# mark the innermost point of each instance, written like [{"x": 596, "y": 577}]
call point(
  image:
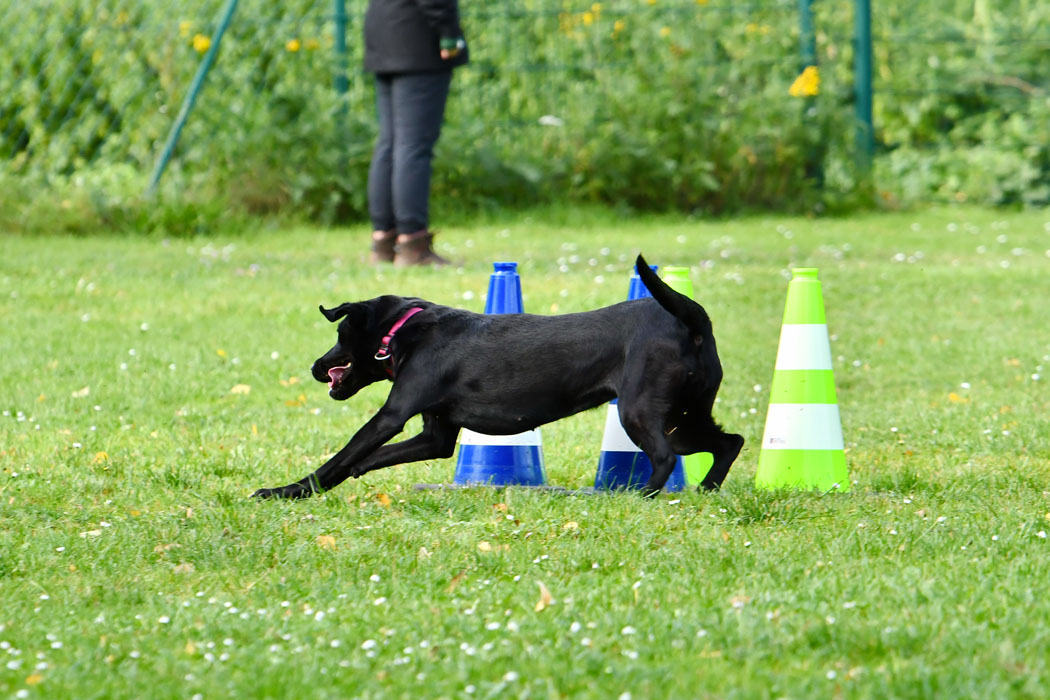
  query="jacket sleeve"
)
[{"x": 443, "y": 16}]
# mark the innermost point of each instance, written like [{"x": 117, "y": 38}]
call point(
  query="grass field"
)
[{"x": 148, "y": 386}]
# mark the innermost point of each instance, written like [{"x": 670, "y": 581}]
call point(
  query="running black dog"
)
[{"x": 508, "y": 373}]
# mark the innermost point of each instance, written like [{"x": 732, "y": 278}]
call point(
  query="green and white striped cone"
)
[
  {"x": 697, "y": 465},
  {"x": 802, "y": 444}
]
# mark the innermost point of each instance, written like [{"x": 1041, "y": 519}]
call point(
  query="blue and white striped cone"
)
[
  {"x": 501, "y": 460},
  {"x": 622, "y": 464}
]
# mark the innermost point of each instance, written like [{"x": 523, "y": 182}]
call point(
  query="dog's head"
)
[{"x": 351, "y": 365}]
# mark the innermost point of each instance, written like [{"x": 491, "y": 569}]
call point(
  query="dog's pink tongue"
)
[{"x": 335, "y": 375}]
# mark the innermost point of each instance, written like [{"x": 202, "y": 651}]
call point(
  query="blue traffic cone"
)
[
  {"x": 622, "y": 464},
  {"x": 501, "y": 460}
]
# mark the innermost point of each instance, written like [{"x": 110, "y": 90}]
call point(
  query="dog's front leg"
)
[
  {"x": 436, "y": 441},
  {"x": 383, "y": 425}
]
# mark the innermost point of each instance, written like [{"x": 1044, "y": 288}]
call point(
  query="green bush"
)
[
  {"x": 962, "y": 107},
  {"x": 641, "y": 104}
]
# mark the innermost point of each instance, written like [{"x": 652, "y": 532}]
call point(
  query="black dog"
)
[{"x": 507, "y": 373}]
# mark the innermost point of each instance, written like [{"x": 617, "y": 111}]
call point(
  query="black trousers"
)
[{"x": 411, "y": 108}]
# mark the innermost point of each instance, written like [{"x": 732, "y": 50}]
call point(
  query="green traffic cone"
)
[
  {"x": 802, "y": 444},
  {"x": 696, "y": 465}
]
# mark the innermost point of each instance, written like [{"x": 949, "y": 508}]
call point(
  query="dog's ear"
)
[
  {"x": 358, "y": 314},
  {"x": 337, "y": 313}
]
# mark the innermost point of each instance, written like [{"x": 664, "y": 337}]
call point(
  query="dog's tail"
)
[{"x": 678, "y": 305}]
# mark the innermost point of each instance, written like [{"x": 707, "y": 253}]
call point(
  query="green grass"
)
[{"x": 132, "y": 563}]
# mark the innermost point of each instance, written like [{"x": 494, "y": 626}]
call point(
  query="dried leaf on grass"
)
[{"x": 545, "y": 597}]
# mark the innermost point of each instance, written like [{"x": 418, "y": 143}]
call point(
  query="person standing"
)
[{"x": 412, "y": 47}]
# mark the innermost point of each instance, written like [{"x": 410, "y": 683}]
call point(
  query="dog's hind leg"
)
[
  {"x": 637, "y": 424},
  {"x": 724, "y": 447},
  {"x": 696, "y": 431}
]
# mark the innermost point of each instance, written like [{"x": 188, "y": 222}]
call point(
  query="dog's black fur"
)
[{"x": 507, "y": 373}]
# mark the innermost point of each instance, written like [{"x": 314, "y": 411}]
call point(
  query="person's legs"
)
[
  {"x": 419, "y": 109},
  {"x": 380, "y": 171}
]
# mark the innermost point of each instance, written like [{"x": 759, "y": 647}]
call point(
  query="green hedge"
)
[{"x": 641, "y": 104}]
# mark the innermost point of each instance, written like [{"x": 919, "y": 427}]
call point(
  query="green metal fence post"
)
[
  {"x": 862, "y": 84},
  {"x": 341, "y": 82},
  {"x": 807, "y": 38},
  {"x": 191, "y": 98},
  {"x": 807, "y": 46}
]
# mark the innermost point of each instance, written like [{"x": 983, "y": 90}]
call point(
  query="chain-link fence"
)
[
  {"x": 652, "y": 103},
  {"x": 89, "y": 80}
]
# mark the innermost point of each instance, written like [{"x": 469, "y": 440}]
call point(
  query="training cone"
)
[
  {"x": 697, "y": 465},
  {"x": 802, "y": 443},
  {"x": 622, "y": 464},
  {"x": 501, "y": 460}
]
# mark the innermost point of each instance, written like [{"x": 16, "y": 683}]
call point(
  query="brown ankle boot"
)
[
  {"x": 416, "y": 249},
  {"x": 383, "y": 247}
]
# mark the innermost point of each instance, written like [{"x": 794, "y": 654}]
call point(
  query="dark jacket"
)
[{"x": 404, "y": 36}]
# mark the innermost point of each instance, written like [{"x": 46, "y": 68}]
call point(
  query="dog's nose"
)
[{"x": 319, "y": 372}]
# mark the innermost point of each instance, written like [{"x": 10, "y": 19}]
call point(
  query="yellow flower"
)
[
  {"x": 665, "y": 32},
  {"x": 184, "y": 28},
  {"x": 618, "y": 26},
  {"x": 651, "y": 2},
  {"x": 807, "y": 84},
  {"x": 596, "y": 8},
  {"x": 292, "y": 45},
  {"x": 201, "y": 43},
  {"x": 588, "y": 19},
  {"x": 701, "y": 2}
]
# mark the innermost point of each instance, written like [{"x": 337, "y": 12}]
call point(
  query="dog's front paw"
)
[{"x": 290, "y": 491}]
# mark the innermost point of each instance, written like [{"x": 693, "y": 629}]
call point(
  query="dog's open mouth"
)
[{"x": 335, "y": 375}]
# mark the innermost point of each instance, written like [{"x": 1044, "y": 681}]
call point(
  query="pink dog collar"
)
[{"x": 384, "y": 347}]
